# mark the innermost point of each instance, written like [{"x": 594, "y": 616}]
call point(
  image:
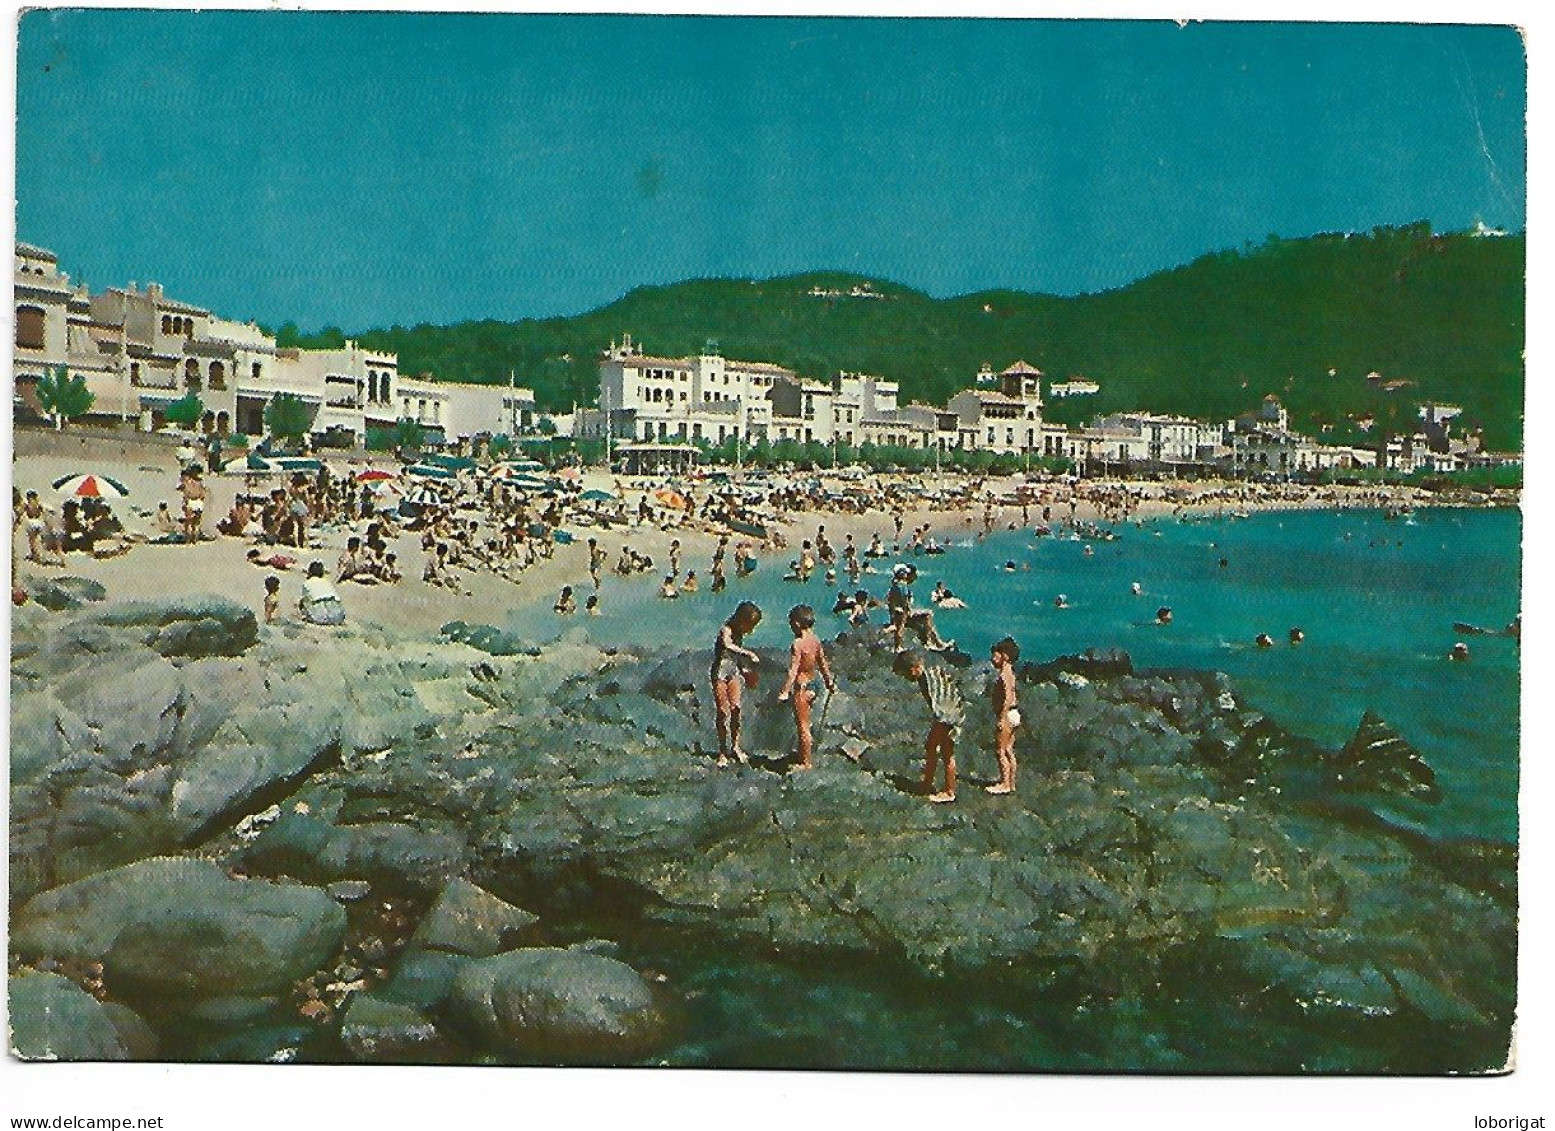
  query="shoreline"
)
[{"x": 217, "y": 566}]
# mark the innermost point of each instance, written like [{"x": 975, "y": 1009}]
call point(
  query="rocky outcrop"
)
[
  {"x": 1378, "y": 758},
  {"x": 375, "y": 1030},
  {"x": 187, "y": 626},
  {"x": 395, "y": 855},
  {"x": 120, "y": 752},
  {"x": 552, "y": 1005},
  {"x": 471, "y": 921},
  {"x": 181, "y": 936},
  {"x": 58, "y": 594},
  {"x": 54, "y": 1019},
  {"x": 1165, "y": 837}
]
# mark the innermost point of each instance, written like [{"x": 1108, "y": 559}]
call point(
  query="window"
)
[
  {"x": 29, "y": 328},
  {"x": 134, "y": 373},
  {"x": 192, "y": 375},
  {"x": 218, "y": 375},
  {"x": 167, "y": 324},
  {"x": 255, "y": 371}
]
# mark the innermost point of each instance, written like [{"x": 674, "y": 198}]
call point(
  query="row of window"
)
[
  {"x": 177, "y": 324},
  {"x": 421, "y": 410},
  {"x": 756, "y": 379}
]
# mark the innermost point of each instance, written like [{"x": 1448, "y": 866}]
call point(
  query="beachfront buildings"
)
[
  {"x": 1006, "y": 418},
  {"x": 140, "y": 350},
  {"x": 55, "y": 330},
  {"x": 706, "y": 398}
]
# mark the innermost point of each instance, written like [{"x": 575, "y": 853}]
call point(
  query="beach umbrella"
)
[
  {"x": 384, "y": 487},
  {"x": 670, "y": 498},
  {"x": 597, "y": 496},
  {"x": 451, "y": 463},
  {"x": 374, "y": 476},
  {"x": 430, "y": 471},
  {"x": 91, "y": 486}
]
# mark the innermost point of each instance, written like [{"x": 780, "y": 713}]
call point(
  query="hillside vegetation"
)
[{"x": 1305, "y": 319}]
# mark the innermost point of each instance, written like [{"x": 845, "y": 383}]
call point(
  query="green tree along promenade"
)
[
  {"x": 63, "y": 396},
  {"x": 1304, "y": 319},
  {"x": 287, "y": 417},
  {"x": 186, "y": 411}
]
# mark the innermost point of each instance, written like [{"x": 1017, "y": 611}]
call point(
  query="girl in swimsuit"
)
[{"x": 728, "y": 677}]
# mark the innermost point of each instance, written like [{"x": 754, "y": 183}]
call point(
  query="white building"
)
[
  {"x": 458, "y": 410},
  {"x": 1007, "y": 419},
  {"x": 1168, "y": 439},
  {"x": 54, "y": 330},
  {"x": 1075, "y": 387},
  {"x": 707, "y": 397},
  {"x": 802, "y": 411}
]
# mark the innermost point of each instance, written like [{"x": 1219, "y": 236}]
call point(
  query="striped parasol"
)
[{"x": 89, "y": 485}]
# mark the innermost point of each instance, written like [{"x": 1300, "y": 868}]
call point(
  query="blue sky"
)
[{"x": 364, "y": 169}]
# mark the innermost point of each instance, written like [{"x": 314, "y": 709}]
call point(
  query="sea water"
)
[{"x": 1377, "y": 599}]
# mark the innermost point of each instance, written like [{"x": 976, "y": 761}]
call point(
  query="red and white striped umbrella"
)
[
  {"x": 374, "y": 476},
  {"x": 89, "y": 485}
]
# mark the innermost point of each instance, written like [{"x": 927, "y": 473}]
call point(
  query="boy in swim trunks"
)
[{"x": 808, "y": 658}]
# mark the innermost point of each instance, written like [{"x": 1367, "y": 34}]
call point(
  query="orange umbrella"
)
[{"x": 670, "y": 498}]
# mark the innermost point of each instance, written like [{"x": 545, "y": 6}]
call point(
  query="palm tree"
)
[{"x": 64, "y": 397}]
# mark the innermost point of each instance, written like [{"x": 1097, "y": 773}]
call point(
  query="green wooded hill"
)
[{"x": 1304, "y": 319}]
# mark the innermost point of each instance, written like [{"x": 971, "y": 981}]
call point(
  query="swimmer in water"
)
[
  {"x": 1009, "y": 566},
  {"x": 1163, "y": 615},
  {"x": 1061, "y": 601},
  {"x": 1135, "y": 588},
  {"x": 1264, "y": 640},
  {"x": 1297, "y": 636},
  {"x": 1460, "y": 651}
]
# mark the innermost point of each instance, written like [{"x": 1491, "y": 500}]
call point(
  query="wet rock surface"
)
[{"x": 475, "y": 811}]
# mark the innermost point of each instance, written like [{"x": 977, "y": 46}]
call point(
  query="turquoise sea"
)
[{"x": 1377, "y": 599}]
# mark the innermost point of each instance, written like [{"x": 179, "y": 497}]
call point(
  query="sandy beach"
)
[{"x": 218, "y": 566}]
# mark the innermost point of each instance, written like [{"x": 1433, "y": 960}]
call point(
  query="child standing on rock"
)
[
  {"x": 948, "y": 708},
  {"x": 728, "y": 677},
  {"x": 809, "y": 658},
  {"x": 1006, "y": 717}
]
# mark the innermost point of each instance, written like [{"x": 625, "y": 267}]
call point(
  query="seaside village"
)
[
  {"x": 139, "y": 351},
  {"x": 326, "y": 748},
  {"x": 144, "y": 420}
]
